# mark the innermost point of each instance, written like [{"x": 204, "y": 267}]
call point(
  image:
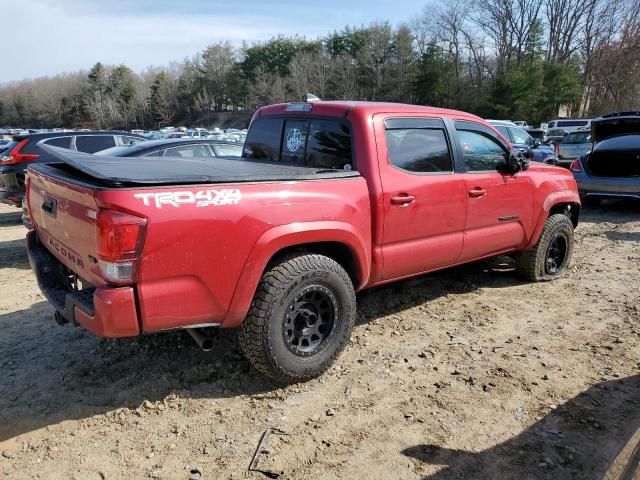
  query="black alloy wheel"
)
[
  {"x": 309, "y": 320},
  {"x": 556, "y": 254}
]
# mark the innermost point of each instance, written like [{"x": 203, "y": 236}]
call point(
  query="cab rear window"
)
[{"x": 318, "y": 143}]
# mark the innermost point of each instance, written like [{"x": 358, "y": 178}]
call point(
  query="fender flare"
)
[
  {"x": 552, "y": 199},
  {"x": 278, "y": 238}
]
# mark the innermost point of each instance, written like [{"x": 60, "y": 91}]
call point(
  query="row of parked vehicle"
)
[
  {"x": 603, "y": 153},
  {"x": 232, "y": 135},
  {"x": 25, "y": 150}
]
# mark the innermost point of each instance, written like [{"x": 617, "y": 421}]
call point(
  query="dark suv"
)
[{"x": 25, "y": 150}]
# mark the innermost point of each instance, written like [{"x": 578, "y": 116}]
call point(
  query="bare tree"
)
[{"x": 310, "y": 72}]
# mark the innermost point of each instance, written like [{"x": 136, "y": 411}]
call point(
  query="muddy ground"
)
[{"x": 468, "y": 373}]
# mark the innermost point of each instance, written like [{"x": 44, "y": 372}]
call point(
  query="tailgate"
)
[{"x": 65, "y": 220}]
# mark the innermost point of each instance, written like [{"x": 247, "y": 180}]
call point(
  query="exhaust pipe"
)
[
  {"x": 59, "y": 319},
  {"x": 204, "y": 342}
]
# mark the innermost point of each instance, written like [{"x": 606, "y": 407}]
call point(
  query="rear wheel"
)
[
  {"x": 300, "y": 319},
  {"x": 550, "y": 257}
]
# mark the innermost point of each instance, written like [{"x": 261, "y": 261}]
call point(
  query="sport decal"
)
[
  {"x": 294, "y": 140},
  {"x": 202, "y": 198}
]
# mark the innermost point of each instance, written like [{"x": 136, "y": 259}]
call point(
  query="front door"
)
[
  {"x": 425, "y": 201},
  {"x": 500, "y": 204}
]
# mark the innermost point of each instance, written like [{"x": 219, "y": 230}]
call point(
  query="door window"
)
[
  {"x": 423, "y": 150},
  {"x": 63, "y": 142},
  {"x": 188, "y": 151},
  {"x": 94, "y": 143},
  {"x": 126, "y": 140},
  {"x": 481, "y": 152},
  {"x": 521, "y": 137},
  {"x": 504, "y": 131},
  {"x": 223, "y": 150}
]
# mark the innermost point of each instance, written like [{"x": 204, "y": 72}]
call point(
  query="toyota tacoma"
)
[{"x": 328, "y": 198}]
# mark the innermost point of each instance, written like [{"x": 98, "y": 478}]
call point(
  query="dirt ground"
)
[{"x": 468, "y": 373}]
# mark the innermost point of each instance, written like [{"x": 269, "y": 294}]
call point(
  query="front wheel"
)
[
  {"x": 550, "y": 257},
  {"x": 300, "y": 319}
]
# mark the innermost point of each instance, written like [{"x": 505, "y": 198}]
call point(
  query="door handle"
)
[
  {"x": 477, "y": 192},
  {"x": 402, "y": 199}
]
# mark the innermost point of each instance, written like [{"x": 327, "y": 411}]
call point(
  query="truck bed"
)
[{"x": 131, "y": 171}]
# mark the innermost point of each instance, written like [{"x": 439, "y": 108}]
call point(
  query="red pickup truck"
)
[{"x": 329, "y": 198}]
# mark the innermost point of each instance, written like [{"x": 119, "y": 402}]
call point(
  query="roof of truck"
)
[{"x": 342, "y": 108}]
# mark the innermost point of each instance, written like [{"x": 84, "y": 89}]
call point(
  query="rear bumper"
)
[
  {"x": 566, "y": 161},
  {"x": 11, "y": 192},
  {"x": 106, "y": 312},
  {"x": 26, "y": 218},
  {"x": 608, "y": 187}
]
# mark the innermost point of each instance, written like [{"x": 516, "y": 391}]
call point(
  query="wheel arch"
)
[
  {"x": 336, "y": 240},
  {"x": 565, "y": 202}
]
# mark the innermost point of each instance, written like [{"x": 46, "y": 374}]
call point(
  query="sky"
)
[{"x": 46, "y": 37}]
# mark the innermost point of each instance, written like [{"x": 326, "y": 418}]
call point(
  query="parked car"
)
[
  {"x": 175, "y": 147},
  {"x": 537, "y": 134},
  {"x": 569, "y": 124},
  {"x": 521, "y": 140},
  {"x": 27, "y": 149},
  {"x": 522, "y": 124},
  {"x": 554, "y": 136},
  {"x": 612, "y": 168},
  {"x": 574, "y": 145},
  {"x": 4, "y": 145},
  {"x": 328, "y": 199},
  {"x": 197, "y": 133}
]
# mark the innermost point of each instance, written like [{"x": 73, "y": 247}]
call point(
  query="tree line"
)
[{"x": 518, "y": 59}]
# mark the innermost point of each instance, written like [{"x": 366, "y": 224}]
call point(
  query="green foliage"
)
[
  {"x": 275, "y": 55},
  {"x": 159, "y": 100},
  {"x": 534, "y": 92},
  {"x": 433, "y": 80}
]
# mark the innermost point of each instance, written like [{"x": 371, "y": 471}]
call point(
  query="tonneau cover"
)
[{"x": 121, "y": 171}]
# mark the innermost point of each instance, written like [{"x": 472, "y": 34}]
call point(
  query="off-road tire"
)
[
  {"x": 532, "y": 264},
  {"x": 262, "y": 334}
]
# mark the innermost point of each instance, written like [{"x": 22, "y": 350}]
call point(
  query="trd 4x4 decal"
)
[{"x": 202, "y": 198}]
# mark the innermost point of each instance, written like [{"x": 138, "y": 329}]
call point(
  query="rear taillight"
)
[
  {"x": 557, "y": 149},
  {"x": 575, "y": 166},
  {"x": 16, "y": 157},
  {"x": 120, "y": 241},
  {"x": 28, "y": 199}
]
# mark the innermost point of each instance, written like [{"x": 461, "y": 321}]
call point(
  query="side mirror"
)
[
  {"x": 536, "y": 143},
  {"x": 517, "y": 161}
]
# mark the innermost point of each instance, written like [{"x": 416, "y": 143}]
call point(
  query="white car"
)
[{"x": 569, "y": 124}]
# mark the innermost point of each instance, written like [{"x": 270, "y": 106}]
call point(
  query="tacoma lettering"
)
[{"x": 66, "y": 253}]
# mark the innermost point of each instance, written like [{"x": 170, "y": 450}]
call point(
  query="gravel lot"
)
[{"x": 468, "y": 373}]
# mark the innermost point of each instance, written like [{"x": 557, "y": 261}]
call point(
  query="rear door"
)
[
  {"x": 424, "y": 199},
  {"x": 500, "y": 205}
]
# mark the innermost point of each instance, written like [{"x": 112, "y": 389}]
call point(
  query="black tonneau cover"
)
[{"x": 124, "y": 171}]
